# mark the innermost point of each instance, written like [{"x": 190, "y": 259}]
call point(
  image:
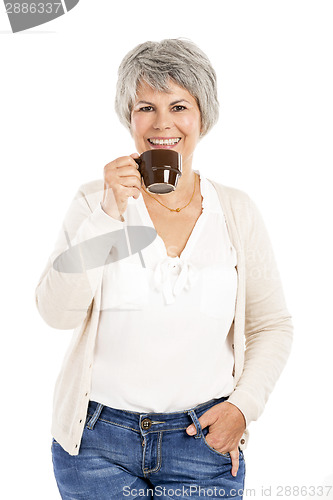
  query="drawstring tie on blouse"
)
[{"x": 187, "y": 275}]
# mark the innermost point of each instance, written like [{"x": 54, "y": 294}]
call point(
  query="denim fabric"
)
[{"x": 125, "y": 454}]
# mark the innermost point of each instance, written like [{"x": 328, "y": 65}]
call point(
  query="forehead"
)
[{"x": 172, "y": 93}]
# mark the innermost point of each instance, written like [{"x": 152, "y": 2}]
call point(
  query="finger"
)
[
  {"x": 135, "y": 155},
  {"x": 121, "y": 162},
  {"x": 128, "y": 191},
  {"x": 125, "y": 175},
  {"x": 129, "y": 180},
  {"x": 206, "y": 419},
  {"x": 135, "y": 192},
  {"x": 128, "y": 171},
  {"x": 234, "y": 455},
  {"x": 191, "y": 430}
]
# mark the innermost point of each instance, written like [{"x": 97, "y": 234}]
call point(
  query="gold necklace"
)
[{"x": 174, "y": 209}]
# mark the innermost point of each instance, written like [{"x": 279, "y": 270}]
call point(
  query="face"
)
[{"x": 169, "y": 120}]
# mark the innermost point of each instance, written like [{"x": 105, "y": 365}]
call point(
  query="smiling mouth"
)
[{"x": 164, "y": 142}]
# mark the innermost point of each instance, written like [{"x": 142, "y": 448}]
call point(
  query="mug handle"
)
[{"x": 138, "y": 161}]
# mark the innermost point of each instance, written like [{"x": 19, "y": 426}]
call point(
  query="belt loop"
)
[
  {"x": 95, "y": 417},
  {"x": 196, "y": 423}
]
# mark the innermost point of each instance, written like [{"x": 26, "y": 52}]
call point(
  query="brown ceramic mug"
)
[{"x": 160, "y": 170}]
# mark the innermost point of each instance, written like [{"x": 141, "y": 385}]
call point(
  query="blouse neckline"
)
[{"x": 160, "y": 245}]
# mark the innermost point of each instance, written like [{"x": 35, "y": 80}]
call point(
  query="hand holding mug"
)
[
  {"x": 121, "y": 180},
  {"x": 159, "y": 169}
]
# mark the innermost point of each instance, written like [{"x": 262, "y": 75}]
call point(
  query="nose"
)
[{"x": 163, "y": 120}]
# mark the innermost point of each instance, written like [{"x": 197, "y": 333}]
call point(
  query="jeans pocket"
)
[
  {"x": 204, "y": 433},
  {"x": 225, "y": 455}
]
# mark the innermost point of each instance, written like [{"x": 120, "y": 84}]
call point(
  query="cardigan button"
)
[{"x": 242, "y": 441}]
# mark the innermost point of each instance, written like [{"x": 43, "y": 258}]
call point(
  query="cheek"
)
[
  {"x": 137, "y": 131},
  {"x": 135, "y": 125},
  {"x": 140, "y": 123},
  {"x": 191, "y": 126}
]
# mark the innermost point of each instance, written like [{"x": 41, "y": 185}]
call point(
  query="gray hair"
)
[{"x": 156, "y": 63}]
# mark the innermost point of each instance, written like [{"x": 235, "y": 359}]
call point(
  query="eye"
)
[
  {"x": 179, "y": 108},
  {"x": 146, "y": 108}
]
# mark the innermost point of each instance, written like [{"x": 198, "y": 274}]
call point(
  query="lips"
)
[{"x": 164, "y": 142}]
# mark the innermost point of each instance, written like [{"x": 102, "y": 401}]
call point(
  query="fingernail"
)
[{"x": 191, "y": 430}]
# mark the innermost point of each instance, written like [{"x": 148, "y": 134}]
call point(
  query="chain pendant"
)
[{"x": 174, "y": 209}]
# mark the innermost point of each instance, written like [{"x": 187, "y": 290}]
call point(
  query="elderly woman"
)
[{"x": 176, "y": 346}]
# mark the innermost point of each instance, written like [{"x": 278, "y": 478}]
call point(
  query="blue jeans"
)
[{"x": 126, "y": 454}]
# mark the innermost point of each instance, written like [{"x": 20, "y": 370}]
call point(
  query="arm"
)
[
  {"x": 268, "y": 326},
  {"x": 63, "y": 298},
  {"x": 268, "y": 337},
  {"x": 69, "y": 282}
]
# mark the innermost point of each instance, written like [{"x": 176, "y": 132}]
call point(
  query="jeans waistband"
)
[{"x": 159, "y": 421}]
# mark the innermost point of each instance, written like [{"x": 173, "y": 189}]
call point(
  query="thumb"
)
[
  {"x": 204, "y": 420},
  {"x": 135, "y": 155}
]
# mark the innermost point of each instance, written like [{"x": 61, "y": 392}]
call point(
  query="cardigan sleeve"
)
[
  {"x": 268, "y": 325},
  {"x": 68, "y": 283}
]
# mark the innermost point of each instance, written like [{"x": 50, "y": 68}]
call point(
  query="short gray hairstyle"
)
[{"x": 156, "y": 63}]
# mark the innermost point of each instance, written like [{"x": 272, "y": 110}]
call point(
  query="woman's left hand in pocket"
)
[{"x": 226, "y": 426}]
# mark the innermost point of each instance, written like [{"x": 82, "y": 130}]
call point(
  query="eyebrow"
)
[{"x": 171, "y": 103}]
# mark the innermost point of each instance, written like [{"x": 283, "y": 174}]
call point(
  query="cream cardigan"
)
[{"x": 262, "y": 328}]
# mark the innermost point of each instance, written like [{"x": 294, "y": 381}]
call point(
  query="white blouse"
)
[{"x": 162, "y": 342}]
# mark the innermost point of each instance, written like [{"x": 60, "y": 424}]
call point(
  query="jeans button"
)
[{"x": 146, "y": 424}]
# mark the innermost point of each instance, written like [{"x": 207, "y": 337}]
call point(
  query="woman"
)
[{"x": 156, "y": 392}]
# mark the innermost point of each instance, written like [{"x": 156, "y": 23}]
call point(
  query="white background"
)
[{"x": 273, "y": 140}]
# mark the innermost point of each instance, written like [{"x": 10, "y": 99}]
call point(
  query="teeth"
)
[{"x": 164, "y": 142}]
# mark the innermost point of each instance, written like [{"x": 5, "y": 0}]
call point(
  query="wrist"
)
[
  {"x": 237, "y": 411},
  {"x": 116, "y": 216}
]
